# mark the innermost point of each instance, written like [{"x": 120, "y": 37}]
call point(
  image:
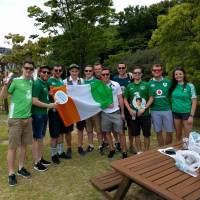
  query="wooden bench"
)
[{"x": 107, "y": 182}]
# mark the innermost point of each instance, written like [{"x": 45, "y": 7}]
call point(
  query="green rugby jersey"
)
[
  {"x": 137, "y": 95},
  {"x": 182, "y": 98},
  {"x": 160, "y": 91}
]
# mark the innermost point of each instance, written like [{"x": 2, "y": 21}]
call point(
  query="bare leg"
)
[
  {"x": 22, "y": 154},
  {"x": 160, "y": 139},
  {"x": 68, "y": 139},
  {"x": 100, "y": 138},
  {"x": 11, "y": 160},
  {"x": 35, "y": 150},
  {"x": 80, "y": 138},
  {"x": 90, "y": 137},
  {"x": 138, "y": 143},
  {"x": 130, "y": 136},
  {"x": 169, "y": 138},
  {"x": 146, "y": 143},
  {"x": 122, "y": 139},
  {"x": 187, "y": 126},
  {"x": 110, "y": 141},
  {"x": 178, "y": 129}
]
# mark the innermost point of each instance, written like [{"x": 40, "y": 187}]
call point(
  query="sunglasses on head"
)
[
  {"x": 29, "y": 68},
  {"x": 88, "y": 70},
  {"x": 121, "y": 68},
  {"x": 105, "y": 74},
  {"x": 57, "y": 70}
]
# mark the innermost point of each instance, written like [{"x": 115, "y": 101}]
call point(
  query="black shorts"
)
[
  {"x": 79, "y": 125},
  {"x": 56, "y": 125},
  {"x": 144, "y": 123},
  {"x": 181, "y": 116},
  {"x": 127, "y": 117}
]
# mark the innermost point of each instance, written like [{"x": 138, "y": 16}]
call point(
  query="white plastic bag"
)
[
  {"x": 194, "y": 142},
  {"x": 188, "y": 161}
]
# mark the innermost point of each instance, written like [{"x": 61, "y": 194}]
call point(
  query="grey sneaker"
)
[{"x": 12, "y": 181}]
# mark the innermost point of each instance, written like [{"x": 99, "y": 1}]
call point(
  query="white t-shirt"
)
[{"x": 116, "y": 90}]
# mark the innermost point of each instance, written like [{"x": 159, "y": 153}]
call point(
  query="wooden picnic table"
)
[{"x": 157, "y": 173}]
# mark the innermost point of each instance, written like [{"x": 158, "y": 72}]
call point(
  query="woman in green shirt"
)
[{"x": 184, "y": 101}]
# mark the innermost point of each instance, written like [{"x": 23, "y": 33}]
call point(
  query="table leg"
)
[{"x": 123, "y": 188}]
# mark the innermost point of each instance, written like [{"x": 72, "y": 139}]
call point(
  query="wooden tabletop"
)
[{"x": 158, "y": 173}]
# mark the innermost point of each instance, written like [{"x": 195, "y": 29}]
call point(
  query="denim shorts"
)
[
  {"x": 162, "y": 121},
  {"x": 39, "y": 124},
  {"x": 181, "y": 116}
]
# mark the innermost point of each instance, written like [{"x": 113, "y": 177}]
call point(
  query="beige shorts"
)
[
  {"x": 93, "y": 123},
  {"x": 19, "y": 132}
]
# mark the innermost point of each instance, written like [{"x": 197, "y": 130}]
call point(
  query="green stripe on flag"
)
[{"x": 101, "y": 93}]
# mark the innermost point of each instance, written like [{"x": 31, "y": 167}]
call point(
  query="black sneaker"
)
[
  {"x": 12, "y": 181},
  {"x": 62, "y": 155},
  {"x": 117, "y": 146},
  {"x": 23, "y": 172},
  {"x": 89, "y": 149},
  {"x": 69, "y": 153},
  {"x": 45, "y": 162},
  {"x": 81, "y": 151},
  {"x": 40, "y": 167},
  {"x": 111, "y": 154},
  {"x": 101, "y": 150},
  {"x": 105, "y": 145},
  {"x": 124, "y": 155},
  {"x": 55, "y": 159}
]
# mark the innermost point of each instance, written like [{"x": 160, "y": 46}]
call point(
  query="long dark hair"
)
[{"x": 175, "y": 82}]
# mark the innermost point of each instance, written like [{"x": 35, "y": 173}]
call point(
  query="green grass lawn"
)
[{"x": 67, "y": 181}]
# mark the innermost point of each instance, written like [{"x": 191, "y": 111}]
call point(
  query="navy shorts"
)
[
  {"x": 181, "y": 116},
  {"x": 142, "y": 122},
  {"x": 56, "y": 125},
  {"x": 39, "y": 125}
]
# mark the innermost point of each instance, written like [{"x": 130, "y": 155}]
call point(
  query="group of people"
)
[{"x": 167, "y": 104}]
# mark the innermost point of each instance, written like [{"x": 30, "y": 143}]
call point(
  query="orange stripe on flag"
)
[{"x": 68, "y": 111}]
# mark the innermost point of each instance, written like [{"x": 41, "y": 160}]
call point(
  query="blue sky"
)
[{"x": 14, "y": 19}]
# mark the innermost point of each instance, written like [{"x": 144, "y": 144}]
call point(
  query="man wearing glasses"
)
[
  {"x": 113, "y": 116},
  {"x": 56, "y": 125},
  {"x": 137, "y": 102},
  {"x": 40, "y": 100},
  {"x": 124, "y": 78},
  {"x": 94, "y": 121},
  {"x": 161, "y": 109},
  {"x": 19, "y": 122}
]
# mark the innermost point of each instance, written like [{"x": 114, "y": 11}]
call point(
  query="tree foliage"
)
[
  {"x": 78, "y": 25},
  {"x": 178, "y": 38}
]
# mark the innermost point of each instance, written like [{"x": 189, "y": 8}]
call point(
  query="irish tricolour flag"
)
[{"x": 83, "y": 101}]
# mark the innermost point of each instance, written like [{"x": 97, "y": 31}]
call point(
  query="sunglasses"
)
[
  {"x": 156, "y": 70},
  {"x": 105, "y": 74},
  {"x": 121, "y": 68},
  {"x": 58, "y": 70},
  {"x": 136, "y": 72},
  {"x": 45, "y": 72},
  {"x": 29, "y": 68},
  {"x": 88, "y": 70}
]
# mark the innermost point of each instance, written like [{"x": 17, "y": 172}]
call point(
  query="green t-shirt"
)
[
  {"x": 21, "y": 98},
  {"x": 54, "y": 82},
  {"x": 182, "y": 98},
  {"x": 137, "y": 95},
  {"x": 40, "y": 91},
  {"x": 160, "y": 91},
  {"x": 92, "y": 80}
]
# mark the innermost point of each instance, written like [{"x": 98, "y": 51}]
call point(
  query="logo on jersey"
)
[
  {"x": 159, "y": 92},
  {"x": 142, "y": 87},
  {"x": 165, "y": 84},
  {"x": 152, "y": 85}
]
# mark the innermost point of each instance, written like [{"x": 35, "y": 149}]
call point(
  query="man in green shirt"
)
[
  {"x": 136, "y": 99},
  {"x": 19, "y": 122},
  {"x": 40, "y": 99},
  {"x": 161, "y": 109}
]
